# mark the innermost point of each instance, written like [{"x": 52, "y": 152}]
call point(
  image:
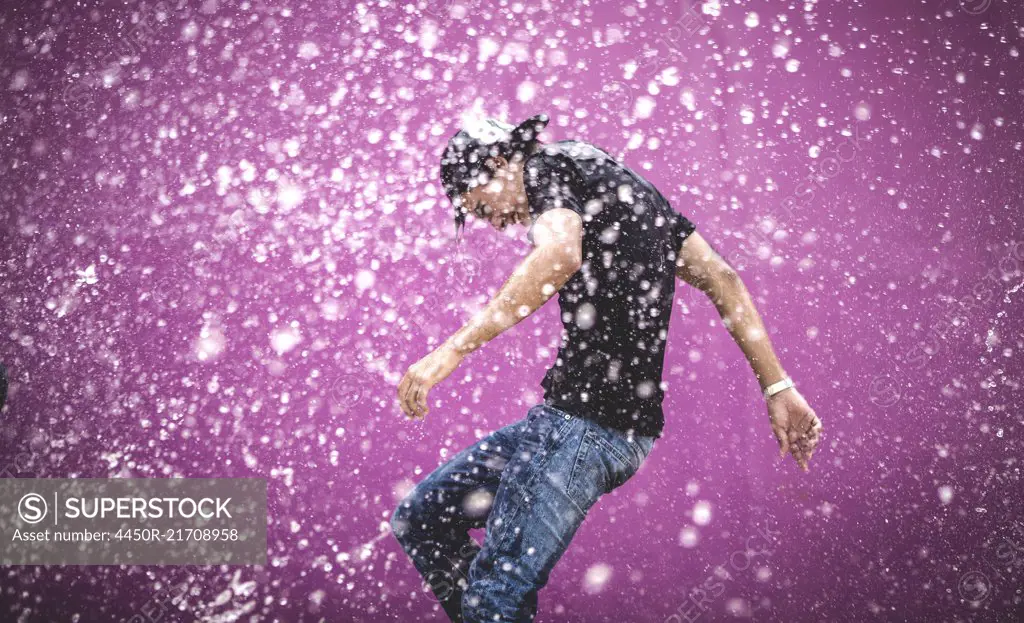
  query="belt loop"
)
[{"x": 565, "y": 414}]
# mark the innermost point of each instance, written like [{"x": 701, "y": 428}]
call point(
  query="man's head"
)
[{"x": 482, "y": 170}]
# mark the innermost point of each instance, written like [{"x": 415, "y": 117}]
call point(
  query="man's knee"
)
[
  {"x": 483, "y": 602},
  {"x": 502, "y": 589},
  {"x": 476, "y": 608}
]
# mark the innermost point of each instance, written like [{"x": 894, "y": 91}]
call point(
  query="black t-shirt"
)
[{"x": 615, "y": 310}]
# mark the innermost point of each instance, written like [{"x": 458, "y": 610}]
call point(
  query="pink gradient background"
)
[{"x": 340, "y": 239}]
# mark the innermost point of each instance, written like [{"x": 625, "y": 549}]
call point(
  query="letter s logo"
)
[{"x": 32, "y": 508}]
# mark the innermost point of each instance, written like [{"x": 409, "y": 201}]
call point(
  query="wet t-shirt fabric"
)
[{"x": 616, "y": 309}]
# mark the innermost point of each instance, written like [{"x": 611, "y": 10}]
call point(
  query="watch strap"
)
[{"x": 775, "y": 388}]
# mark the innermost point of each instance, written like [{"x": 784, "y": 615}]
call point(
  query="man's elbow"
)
[
  {"x": 565, "y": 256},
  {"x": 728, "y": 276},
  {"x": 573, "y": 259},
  {"x": 567, "y": 262},
  {"x": 722, "y": 280}
]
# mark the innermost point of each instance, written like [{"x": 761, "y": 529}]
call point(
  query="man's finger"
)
[
  {"x": 793, "y": 437},
  {"x": 815, "y": 424},
  {"x": 414, "y": 400},
  {"x": 813, "y": 437},
  {"x": 798, "y": 454},
  {"x": 406, "y": 402},
  {"x": 812, "y": 440},
  {"x": 809, "y": 442},
  {"x": 799, "y": 451},
  {"x": 413, "y": 393},
  {"x": 808, "y": 451},
  {"x": 783, "y": 442},
  {"x": 810, "y": 437},
  {"x": 811, "y": 448},
  {"x": 421, "y": 401}
]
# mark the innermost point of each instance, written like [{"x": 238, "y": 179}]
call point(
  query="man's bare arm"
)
[
  {"x": 555, "y": 257},
  {"x": 700, "y": 266},
  {"x": 557, "y": 254},
  {"x": 794, "y": 423}
]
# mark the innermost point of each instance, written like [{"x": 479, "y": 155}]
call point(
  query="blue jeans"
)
[{"x": 531, "y": 483}]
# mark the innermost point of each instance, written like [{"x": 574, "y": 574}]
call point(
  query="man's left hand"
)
[
  {"x": 795, "y": 425},
  {"x": 422, "y": 376}
]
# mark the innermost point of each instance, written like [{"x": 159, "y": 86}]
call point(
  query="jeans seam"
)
[
  {"x": 521, "y": 490},
  {"x": 581, "y": 451},
  {"x": 560, "y": 410},
  {"x": 641, "y": 452},
  {"x": 611, "y": 448},
  {"x": 566, "y": 422}
]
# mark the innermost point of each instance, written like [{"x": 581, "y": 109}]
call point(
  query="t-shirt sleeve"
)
[
  {"x": 552, "y": 181},
  {"x": 682, "y": 226}
]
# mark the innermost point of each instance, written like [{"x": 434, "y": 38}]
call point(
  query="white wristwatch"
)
[{"x": 775, "y": 388}]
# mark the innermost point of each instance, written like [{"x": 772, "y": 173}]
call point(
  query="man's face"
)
[{"x": 502, "y": 200}]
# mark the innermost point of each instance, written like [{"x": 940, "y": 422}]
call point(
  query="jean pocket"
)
[
  {"x": 640, "y": 446},
  {"x": 644, "y": 444},
  {"x": 596, "y": 469},
  {"x": 618, "y": 461}
]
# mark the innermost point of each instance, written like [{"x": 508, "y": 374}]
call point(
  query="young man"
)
[{"x": 611, "y": 246}]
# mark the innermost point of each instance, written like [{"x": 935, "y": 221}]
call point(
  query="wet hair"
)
[
  {"x": 511, "y": 153},
  {"x": 464, "y": 163}
]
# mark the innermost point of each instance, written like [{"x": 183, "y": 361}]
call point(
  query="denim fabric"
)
[{"x": 531, "y": 484}]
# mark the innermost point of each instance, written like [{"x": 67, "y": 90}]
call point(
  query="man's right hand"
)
[
  {"x": 795, "y": 425},
  {"x": 422, "y": 376}
]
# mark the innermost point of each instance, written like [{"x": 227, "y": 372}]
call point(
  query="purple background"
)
[{"x": 181, "y": 204}]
